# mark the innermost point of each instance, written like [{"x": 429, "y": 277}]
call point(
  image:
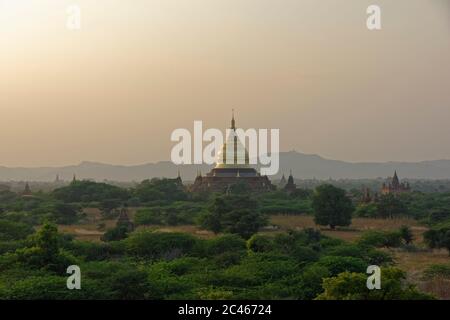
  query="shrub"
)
[
  {"x": 233, "y": 214},
  {"x": 10, "y": 246},
  {"x": 93, "y": 251},
  {"x": 149, "y": 216},
  {"x": 381, "y": 239},
  {"x": 437, "y": 270},
  {"x": 336, "y": 265},
  {"x": 352, "y": 286},
  {"x": 438, "y": 238},
  {"x": 10, "y": 230},
  {"x": 227, "y": 259},
  {"x": 304, "y": 254},
  {"x": 159, "y": 245},
  {"x": 311, "y": 282},
  {"x": 225, "y": 243},
  {"x": 347, "y": 250},
  {"x": 366, "y": 210},
  {"x": 179, "y": 212},
  {"x": 260, "y": 243},
  {"x": 115, "y": 234},
  {"x": 406, "y": 234},
  {"x": 87, "y": 191},
  {"x": 378, "y": 257}
]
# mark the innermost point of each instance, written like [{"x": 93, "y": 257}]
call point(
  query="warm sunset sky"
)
[{"x": 138, "y": 69}]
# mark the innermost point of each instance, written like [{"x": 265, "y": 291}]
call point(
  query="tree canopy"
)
[{"x": 332, "y": 207}]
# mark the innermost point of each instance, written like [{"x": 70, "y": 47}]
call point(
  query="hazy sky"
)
[{"x": 116, "y": 89}]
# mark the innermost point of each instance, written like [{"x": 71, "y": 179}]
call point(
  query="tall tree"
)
[
  {"x": 233, "y": 214},
  {"x": 438, "y": 238},
  {"x": 332, "y": 206},
  {"x": 390, "y": 206}
]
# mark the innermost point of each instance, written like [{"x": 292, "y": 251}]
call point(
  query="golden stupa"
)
[{"x": 232, "y": 167}]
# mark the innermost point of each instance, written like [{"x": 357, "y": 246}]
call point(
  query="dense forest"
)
[{"x": 245, "y": 257}]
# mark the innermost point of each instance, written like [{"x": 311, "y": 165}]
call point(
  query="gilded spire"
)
[{"x": 233, "y": 123}]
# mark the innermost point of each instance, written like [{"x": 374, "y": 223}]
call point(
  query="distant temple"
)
[
  {"x": 282, "y": 182},
  {"x": 124, "y": 220},
  {"x": 394, "y": 186},
  {"x": 26, "y": 193},
  {"x": 27, "y": 190},
  {"x": 232, "y": 168},
  {"x": 178, "y": 180},
  {"x": 290, "y": 185},
  {"x": 367, "y": 196}
]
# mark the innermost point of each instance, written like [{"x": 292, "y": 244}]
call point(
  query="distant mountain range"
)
[{"x": 303, "y": 166}]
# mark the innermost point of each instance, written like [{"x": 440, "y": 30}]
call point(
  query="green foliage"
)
[
  {"x": 297, "y": 245},
  {"x": 90, "y": 251},
  {"x": 44, "y": 251},
  {"x": 331, "y": 206},
  {"x": 148, "y": 216},
  {"x": 430, "y": 207},
  {"x": 44, "y": 287},
  {"x": 337, "y": 264},
  {"x": 10, "y": 230},
  {"x": 57, "y": 211},
  {"x": 160, "y": 189},
  {"x": 109, "y": 206},
  {"x": 260, "y": 243},
  {"x": 406, "y": 234},
  {"x": 89, "y": 191},
  {"x": 233, "y": 214},
  {"x": 304, "y": 254},
  {"x": 256, "y": 270},
  {"x": 115, "y": 234},
  {"x": 10, "y": 246},
  {"x": 287, "y": 207},
  {"x": 439, "y": 215},
  {"x": 381, "y": 239},
  {"x": 301, "y": 193},
  {"x": 176, "y": 213},
  {"x": 24, "y": 217},
  {"x": 369, "y": 255},
  {"x": 438, "y": 238},
  {"x": 159, "y": 245},
  {"x": 437, "y": 271},
  {"x": 310, "y": 284},
  {"x": 159, "y": 265},
  {"x": 352, "y": 286},
  {"x": 117, "y": 280},
  {"x": 390, "y": 206},
  {"x": 366, "y": 210},
  {"x": 280, "y": 202},
  {"x": 156, "y": 265},
  {"x": 130, "y": 285},
  {"x": 225, "y": 243}
]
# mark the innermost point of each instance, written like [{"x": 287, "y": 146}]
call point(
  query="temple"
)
[
  {"x": 124, "y": 221},
  {"x": 232, "y": 168},
  {"x": 282, "y": 182},
  {"x": 394, "y": 186},
  {"x": 290, "y": 185},
  {"x": 27, "y": 190},
  {"x": 367, "y": 196}
]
